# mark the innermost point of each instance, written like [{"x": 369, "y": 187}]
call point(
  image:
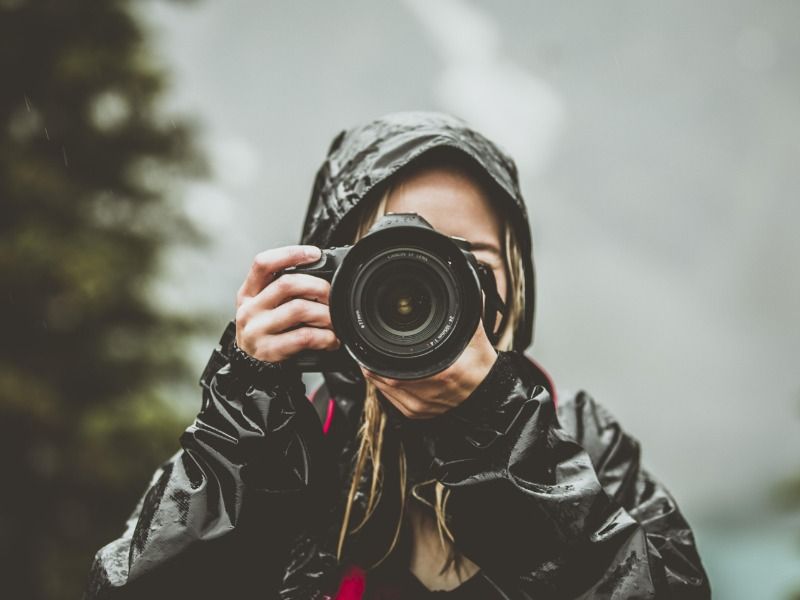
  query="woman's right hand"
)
[{"x": 276, "y": 317}]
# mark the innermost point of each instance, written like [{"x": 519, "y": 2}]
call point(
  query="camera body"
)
[{"x": 405, "y": 300}]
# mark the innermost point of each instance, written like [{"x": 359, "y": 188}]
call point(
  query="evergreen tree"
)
[{"x": 88, "y": 169}]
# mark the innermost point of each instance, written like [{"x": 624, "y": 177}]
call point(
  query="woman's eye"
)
[{"x": 490, "y": 262}]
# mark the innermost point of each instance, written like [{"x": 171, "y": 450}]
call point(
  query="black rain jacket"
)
[{"x": 547, "y": 497}]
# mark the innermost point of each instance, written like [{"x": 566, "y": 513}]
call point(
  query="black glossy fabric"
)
[
  {"x": 404, "y": 584},
  {"x": 549, "y": 501}
]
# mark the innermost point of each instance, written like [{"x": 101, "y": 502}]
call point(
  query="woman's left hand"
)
[{"x": 431, "y": 396}]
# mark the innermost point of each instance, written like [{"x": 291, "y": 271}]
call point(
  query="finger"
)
[
  {"x": 279, "y": 347},
  {"x": 407, "y": 403},
  {"x": 292, "y": 285},
  {"x": 266, "y": 264},
  {"x": 413, "y": 408},
  {"x": 394, "y": 398},
  {"x": 423, "y": 387},
  {"x": 401, "y": 407},
  {"x": 292, "y": 313}
]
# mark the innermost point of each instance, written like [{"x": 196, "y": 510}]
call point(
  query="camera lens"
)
[
  {"x": 404, "y": 302},
  {"x": 407, "y": 300},
  {"x": 404, "y": 307}
]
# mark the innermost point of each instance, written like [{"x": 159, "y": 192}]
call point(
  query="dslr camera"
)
[{"x": 404, "y": 300}]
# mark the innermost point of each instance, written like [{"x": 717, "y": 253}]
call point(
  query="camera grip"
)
[{"x": 321, "y": 360}]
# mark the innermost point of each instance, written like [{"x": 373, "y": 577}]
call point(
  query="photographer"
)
[{"x": 476, "y": 481}]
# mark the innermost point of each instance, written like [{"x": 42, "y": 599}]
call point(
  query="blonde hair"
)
[{"x": 373, "y": 421}]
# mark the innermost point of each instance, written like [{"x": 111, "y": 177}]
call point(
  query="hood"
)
[{"x": 361, "y": 158}]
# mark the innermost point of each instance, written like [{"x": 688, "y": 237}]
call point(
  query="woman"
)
[{"x": 476, "y": 482}]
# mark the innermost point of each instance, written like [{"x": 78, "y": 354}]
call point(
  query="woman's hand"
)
[
  {"x": 276, "y": 317},
  {"x": 429, "y": 397}
]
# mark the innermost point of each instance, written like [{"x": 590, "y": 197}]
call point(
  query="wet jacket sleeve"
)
[
  {"x": 559, "y": 509},
  {"x": 217, "y": 518}
]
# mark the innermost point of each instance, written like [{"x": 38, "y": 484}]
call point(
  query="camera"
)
[{"x": 405, "y": 299}]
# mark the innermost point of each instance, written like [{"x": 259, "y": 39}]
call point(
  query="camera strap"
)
[{"x": 493, "y": 303}]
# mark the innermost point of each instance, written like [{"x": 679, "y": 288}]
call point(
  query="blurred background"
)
[{"x": 149, "y": 149}]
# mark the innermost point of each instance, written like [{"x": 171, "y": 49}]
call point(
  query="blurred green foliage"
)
[
  {"x": 787, "y": 498},
  {"x": 88, "y": 168}
]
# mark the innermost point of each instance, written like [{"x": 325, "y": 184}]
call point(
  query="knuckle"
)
[
  {"x": 299, "y": 310},
  {"x": 247, "y": 331},
  {"x": 416, "y": 406},
  {"x": 282, "y": 285},
  {"x": 319, "y": 338},
  {"x": 291, "y": 313},
  {"x": 242, "y": 313},
  {"x": 324, "y": 314},
  {"x": 304, "y": 336},
  {"x": 330, "y": 338},
  {"x": 266, "y": 258},
  {"x": 312, "y": 283},
  {"x": 296, "y": 253},
  {"x": 269, "y": 324},
  {"x": 260, "y": 262},
  {"x": 322, "y": 338},
  {"x": 325, "y": 288}
]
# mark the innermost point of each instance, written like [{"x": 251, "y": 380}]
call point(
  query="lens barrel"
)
[{"x": 406, "y": 299}]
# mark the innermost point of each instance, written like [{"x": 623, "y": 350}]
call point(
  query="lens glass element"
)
[
  {"x": 404, "y": 306},
  {"x": 405, "y": 300}
]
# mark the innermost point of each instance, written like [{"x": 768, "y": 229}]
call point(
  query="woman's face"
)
[{"x": 456, "y": 206}]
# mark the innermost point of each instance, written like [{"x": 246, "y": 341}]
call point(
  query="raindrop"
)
[
  {"x": 25, "y": 125},
  {"x": 27, "y": 102},
  {"x": 64, "y": 153}
]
